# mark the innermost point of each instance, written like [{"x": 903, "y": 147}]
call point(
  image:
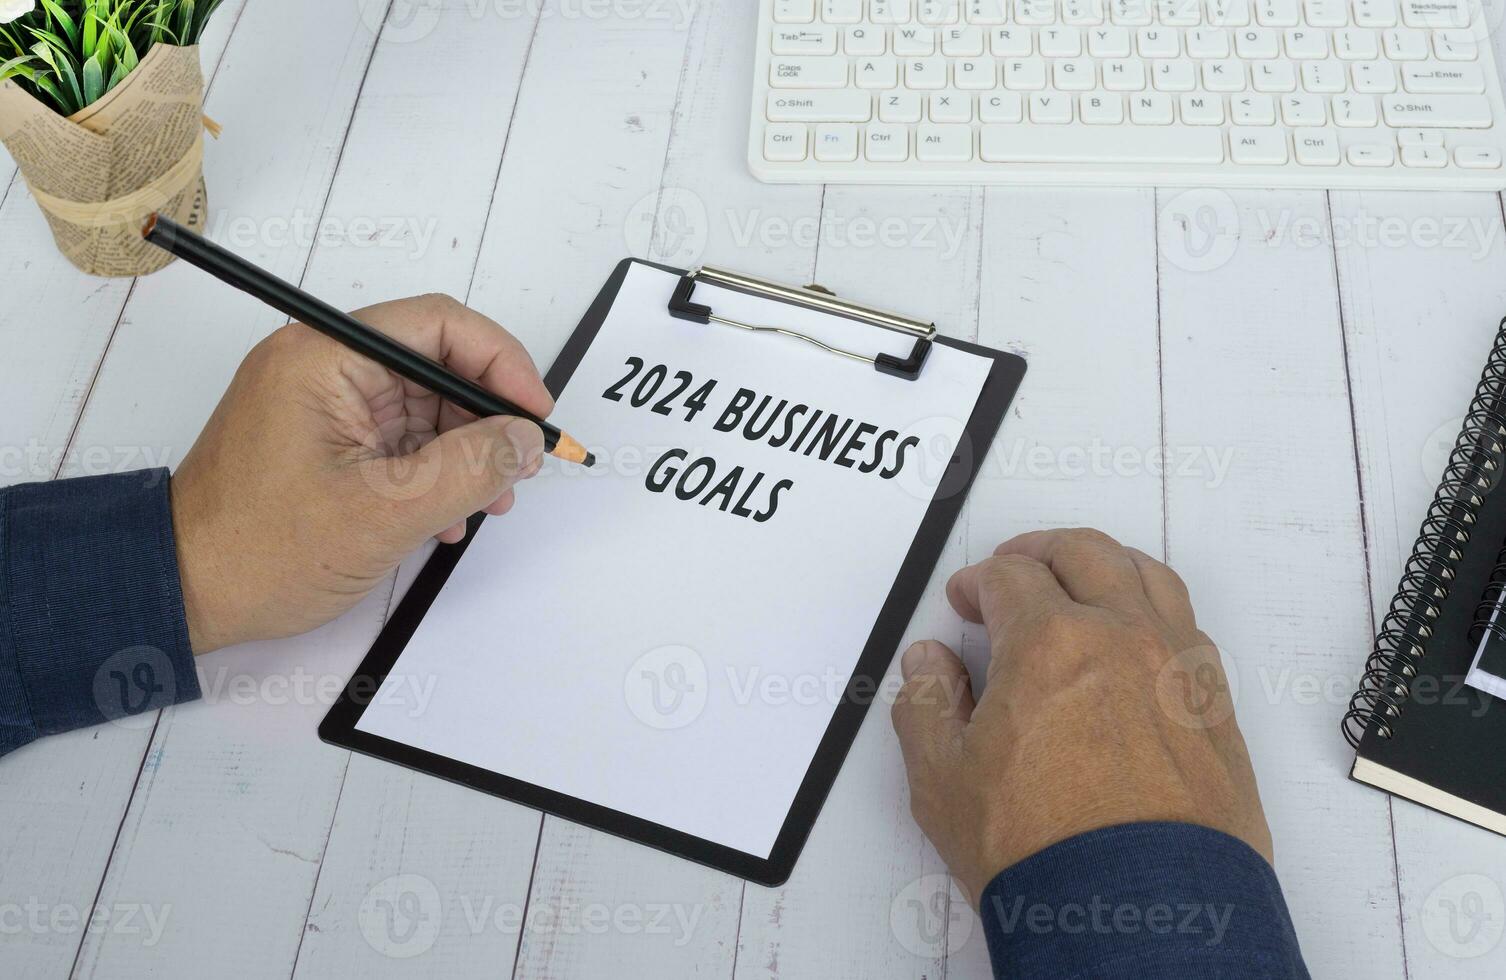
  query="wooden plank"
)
[
  {"x": 1421, "y": 304},
  {"x": 272, "y": 165},
  {"x": 68, "y": 791},
  {"x": 915, "y": 250},
  {"x": 587, "y": 194},
  {"x": 63, "y": 320},
  {"x": 1253, "y": 361},
  {"x": 416, "y": 866},
  {"x": 1069, "y": 282}
]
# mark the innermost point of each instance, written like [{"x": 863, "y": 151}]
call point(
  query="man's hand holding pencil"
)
[{"x": 321, "y": 470}]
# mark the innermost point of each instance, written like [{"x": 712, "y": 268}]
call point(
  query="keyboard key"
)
[
  {"x": 901, "y": 107},
  {"x": 1028, "y": 74},
  {"x": 1158, "y": 42},
  {"x": 1259, "y": 146},
  {"x": 1334, "y": 13},
  {"x": 808, "y": 73},
  {"x": 1441, "y": 111},
  {"x": 1303, "y": 110},
  {"x": 1225, "y": 75},
  {"x": 1373, "y": 77},
  {"x": 1305, "y": 44},
  {"x": 1086, "y": 144},
  {"x": 1440, "y": 76},
  {"x": 1075, "y": 74},
  {"x": 1101, "y": 108},
  {"x": 842, "y": 11},
  {"x": 1151, "y": 109},
  {"x": 1371, "y": 155},
  {"x": 1419, "y": 137},
  {"x": 1034, "y": 13},
  {"x": 938, "y": 13},
  {"x": 1273, "y": 76},
  {"x": 1327, "y": 76},
  {"x": 1060, "y": 42},
  {"x": 975, "y": 73},
  {"x": 1174, "y": 75},
  {"x": 865, "y": 40},
  {"x": 1255, "y": 42},
  {"x": 784, "y": 142},
  {"x": 881, "y": 72},
  {"x": 1316, "y": 147},
  {"x": 1355, "y": 111},
  {"x": 1011, "y": 42},
  {"x": 1478, "y": 157},
  {"x": 1356, "y": 44},
  {"x": 926, "y": 73},
  {"x": 962, "y": 42},
  {"x": 805, "y": 40},
  {"x": 1455, "y": 46},
  {"x": 1369, "y": 13},
  {"x": 986, "y": 12},
  {"x": 944, "y": 144},
  {"x": 794, "y": 11},
  {"x": 951, "y": 106},
  {"x": 1435, "y": 13},
  {"x": 836, "y": 143},
  {"x": 1083, "y": 13},
  {"x": 1001, "y": 107},
  {"x": 1430, "y": 157},
  {"x": 887, "y": 144},
  {"x": 1253, "y": 110},
  {"x": 1123, "y": 75},
  {"x": 1403, "y": 44},
  {"x": 1228, "y": 13},
  {"x": 889, "y": 11},
  {"x": 912, "y": 42},
  {"x": 1052, "y": 108},
  {"x": 830, "y": 106},
  {"x": 1179, "y": 13},
  {"x": 1109, "y": 42},
  {"x": 1208, "y": 42},
  {"x": 1277, "y": 13},
  {"x": 1202, "y": 109}
]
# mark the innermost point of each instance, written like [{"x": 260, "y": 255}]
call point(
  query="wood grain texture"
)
[
  {"x": 1419, "y": 320},
  {"x": 1270, "y": 373},
  {"x": 1252, "y": 358}
]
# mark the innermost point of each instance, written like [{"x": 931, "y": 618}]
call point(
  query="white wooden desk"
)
[{"x": 1294, "y": 357}]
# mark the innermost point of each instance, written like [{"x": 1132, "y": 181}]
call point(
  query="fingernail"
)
[{"x": 914, "y": 659}]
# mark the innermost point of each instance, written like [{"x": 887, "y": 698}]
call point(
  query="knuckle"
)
[{"x": 1065, "y": 631}]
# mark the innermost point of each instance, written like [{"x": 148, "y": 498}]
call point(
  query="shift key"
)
[
  {"x": 817, "y": 106},
  {"x": 1437, "y": 111}
]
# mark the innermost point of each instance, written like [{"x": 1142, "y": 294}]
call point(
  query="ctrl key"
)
[{"x": 784, "y": 142}]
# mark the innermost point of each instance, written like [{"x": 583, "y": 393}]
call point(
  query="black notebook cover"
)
[{"x": 1419, "y": 730}]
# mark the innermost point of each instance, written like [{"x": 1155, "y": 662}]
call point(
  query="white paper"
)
[
  {"x": 1480, "y": 679},
  {"x": 661, "y": 657}
]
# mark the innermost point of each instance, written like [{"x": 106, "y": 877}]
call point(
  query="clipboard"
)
[{"x": 1001, "y": 382}]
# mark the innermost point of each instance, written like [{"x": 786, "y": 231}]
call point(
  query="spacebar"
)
[{"x": 1101, "y": 144}]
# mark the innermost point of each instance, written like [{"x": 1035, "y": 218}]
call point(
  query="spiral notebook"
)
[{"x": 1421, "y": 724}]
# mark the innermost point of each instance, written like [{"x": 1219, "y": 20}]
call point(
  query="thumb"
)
[
  {"x": 934, "y": 706},
  {"x": 466, "y": 469}
]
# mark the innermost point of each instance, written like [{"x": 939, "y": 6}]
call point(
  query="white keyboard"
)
[{"x": 1231, "y": 93}]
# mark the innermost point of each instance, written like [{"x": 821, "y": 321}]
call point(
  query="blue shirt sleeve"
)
[
  {"x": 92, "y": 626},
  {"x": 1162, "y": 900}
]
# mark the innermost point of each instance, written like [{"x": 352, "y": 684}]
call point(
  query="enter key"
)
[{"x": 1448, "y": 77}]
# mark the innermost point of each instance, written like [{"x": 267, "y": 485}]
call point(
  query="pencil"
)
[{"x": 338, "y": 325}]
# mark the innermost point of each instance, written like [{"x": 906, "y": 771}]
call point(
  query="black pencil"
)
[{"x": 228, "y": 267}]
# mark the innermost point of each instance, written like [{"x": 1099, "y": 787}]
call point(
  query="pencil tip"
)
[
  {"x": 150, "y": 226},
  {"x": 589, "y": 461}
]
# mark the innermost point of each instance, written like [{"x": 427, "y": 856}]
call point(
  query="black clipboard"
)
[{"x": 1003, "y": 381}]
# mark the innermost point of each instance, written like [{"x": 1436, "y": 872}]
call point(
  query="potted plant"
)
[{"x": 100, "y": 105}]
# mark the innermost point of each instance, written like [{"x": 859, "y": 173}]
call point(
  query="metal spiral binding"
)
[
  {"x": 1474, "y": 467},
  {"x": 1485, "y": 609}
]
